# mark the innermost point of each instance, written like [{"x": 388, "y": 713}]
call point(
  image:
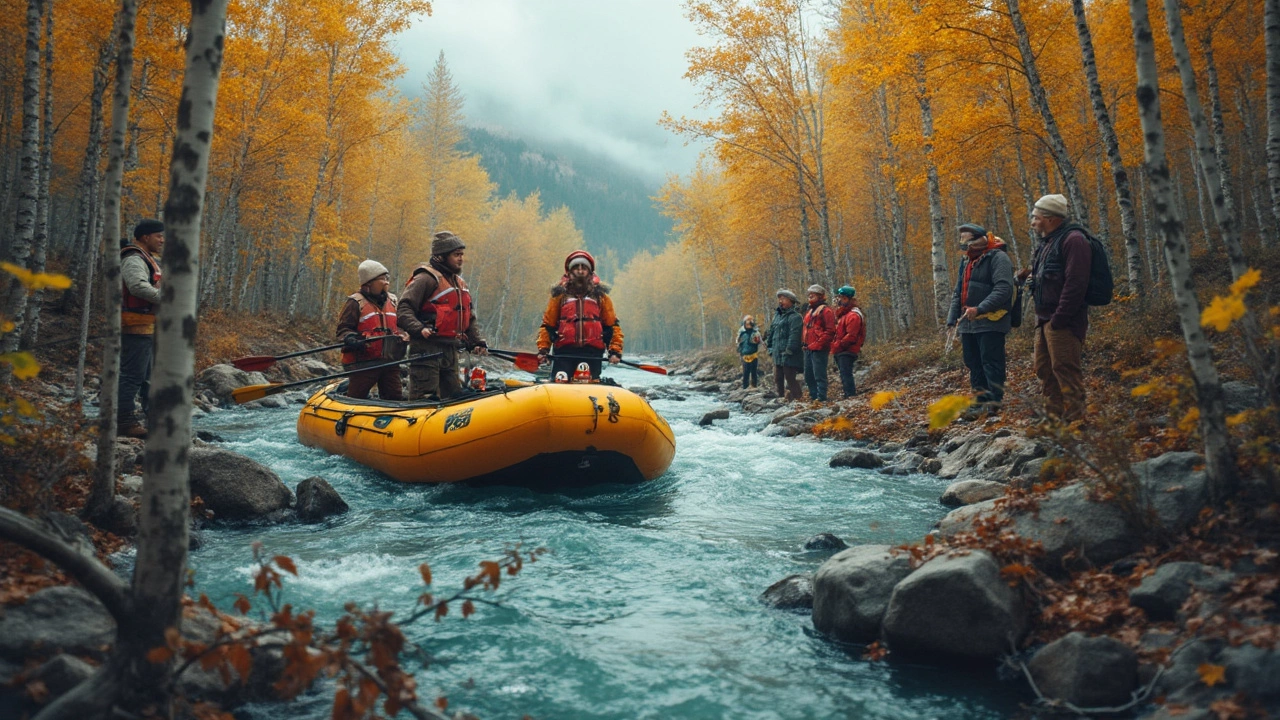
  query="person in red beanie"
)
[{"x": 579, "y": 324}]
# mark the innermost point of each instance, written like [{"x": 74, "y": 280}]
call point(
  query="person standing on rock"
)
[
  {"x": 819, "y": 330},
  {"x": 1059, "y": 272},
  {"x": 437, "y": 313},
  {"x": 851, "y": 332},
  {"x": 579, "y": 322},
  {"x": 140, "y": 284},
  {"x": 749, "y": 350},
  {"x": 980, "y": 309},
  {"x": 370, "y": 313},
  {"x": 784, "y": 342}
]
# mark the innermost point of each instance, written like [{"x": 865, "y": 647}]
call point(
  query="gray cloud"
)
[{"x": 597, "y": 73}]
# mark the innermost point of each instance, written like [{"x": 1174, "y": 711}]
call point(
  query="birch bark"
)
[
  {"x": 40, "y": 240},
  {"x": 1271, "y": 21},
  {"x": 1219, "y": 458},
  {"x": 938, "y": 246}
]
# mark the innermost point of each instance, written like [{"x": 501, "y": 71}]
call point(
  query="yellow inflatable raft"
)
[{"x": 539, "y": 435}]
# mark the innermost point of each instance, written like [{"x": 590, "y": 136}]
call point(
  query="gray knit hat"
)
[
  {"x": 371, "y": 270},
  {"x": 788, "y": 294},
  {"x": 1054, "y": 205},
  {"x": 817, "y": 289},
  {"x": 974, "y": 229},
  {"x": 446, "y": 242}
]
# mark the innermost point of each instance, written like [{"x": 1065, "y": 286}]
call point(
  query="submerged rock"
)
[
  {"x": 717, "y": 414},
  {"x": 235, "y": 487},
  {"x": 793, "y": 592},
  {"x": 851, "y": 591},
  {"x": 856, "y": 458},
  {"x": 825, "y": 541},
  {"x": 318, "y": 500}
]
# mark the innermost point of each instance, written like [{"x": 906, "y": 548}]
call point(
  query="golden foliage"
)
[
  {"x": 882, "y": 398},
  {"x": 946, "y": 409}
]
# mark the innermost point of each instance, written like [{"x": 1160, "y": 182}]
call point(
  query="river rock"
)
[
  {"x": 825, "y": 541},
  {"x": 856, "y": 458},
  {"x": 717, "y": 414},
  {"x": 1253, "y": 671},
  {"x": 987, "y": 457},
  {"x": 968, "y": 492},
  {"x": 317, "y": 368},
  {"x": 757, "y": 404},
  {"x": 904, "y": 463},
  {"x": 793, "y": 592},
  {"x": 1240, "y": 396},
  {"x": 954, "y": 607},
  {"x": 220, "y": 380},
  {"x": 270, "y": 401},
  {"x": 53, "y": 620},
  {"x": 1162, "y": 593},
  {"x": 318, "y": 500},
  {"x": 235, "y": 487},
  {"x": 1085, "y": 671},
  {"x": 1175, "y": 484},
  {"x": 852, "y": 589},
  {"x": 62, "y": 673}
]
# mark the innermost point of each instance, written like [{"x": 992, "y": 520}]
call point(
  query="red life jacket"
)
[
  {"x": 133, "y": 304},
  {"x": 819, "y": 327},
  {"x": 581, "y": 324},
  {"x": 373, "y": 321},
  {"x": 449, "y": 309},
  {"x": 847, "y": 341}
]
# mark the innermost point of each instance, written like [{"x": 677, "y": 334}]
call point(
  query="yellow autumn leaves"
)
[
  {"x": 23, "y": 364},
  {"x": 1225, "y": 310},
  {"x": 942, "y": 412}
]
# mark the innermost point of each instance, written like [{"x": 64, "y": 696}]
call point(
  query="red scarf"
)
[{"x": 975, "y": 254}]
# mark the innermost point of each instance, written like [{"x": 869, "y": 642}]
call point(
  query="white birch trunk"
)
[
  {"x": 938, "y": 246},
  {"x": 1272, "y": 24},
  {"x": 40, "y": 240},
  {"x": 102, "y": 492},
  {"x": 1219, "y": 458}
]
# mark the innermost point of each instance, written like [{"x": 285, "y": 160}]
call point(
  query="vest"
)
[
  {"x": 580, "y": 323},
  {"x": 373, "y": 321},
  {"x": 134, "y": 311},
  {"x": 449, "y": 310}
]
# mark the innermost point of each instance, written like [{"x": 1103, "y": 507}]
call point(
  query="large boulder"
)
[
  {"x": 955, "y": 607},
  {"x": 1174, "y": 485},
  {"x": 235, "y": 487},
  {"x": 987, "y": 456},
  {"x": 1162, "y": 593},
  {"x": 851, "y": 591},
  {"x": 318, "y": 500},
  {"x": 793, "y": 592},
  {"x": 62, "y": 673},
  {"x": 1085, "y": 671},
  {"x": 220, "y": 380},
  {"x": 56, "y": 620},
  {"x": 968, "y": 492},
  {"x": 856, "y": 458}
]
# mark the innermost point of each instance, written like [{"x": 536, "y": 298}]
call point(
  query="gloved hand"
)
[
  {"x": 614, "y": 358},
  {"x": 352, "y": 342},
  {"x": 480, "y": 348},
  {"x": 542, "y": 356}
]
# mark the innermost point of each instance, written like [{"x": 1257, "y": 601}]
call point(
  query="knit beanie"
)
[
  {"x": 371, "y": 270},
  {"x": 788, "y": 294},
  {"x": 446, "y": 242},
  {"x": 817, "y": 290},
  {"x": 1055, "y": 205},
  {"x": 846, "y": 290},
  {"x": 974, "y": 229},
  {"x": 147, "y": 227}
]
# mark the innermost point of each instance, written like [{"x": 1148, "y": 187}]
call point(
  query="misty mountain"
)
[{"x": 610, "y": 203}]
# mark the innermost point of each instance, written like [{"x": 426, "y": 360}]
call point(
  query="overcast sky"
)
[{"x": 597, "y": 73}]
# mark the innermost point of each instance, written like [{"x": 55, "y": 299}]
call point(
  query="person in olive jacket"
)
[
  {"x": 783, "y": 341},
  {"x": 980, "y": 308}
]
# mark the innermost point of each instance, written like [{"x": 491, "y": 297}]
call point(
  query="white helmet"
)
[
  {"x": 562, "y": 377},
  {"x": 582, "y": 367}
]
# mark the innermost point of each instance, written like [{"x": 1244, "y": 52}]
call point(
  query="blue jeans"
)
[{"x": 815, "y": 373}]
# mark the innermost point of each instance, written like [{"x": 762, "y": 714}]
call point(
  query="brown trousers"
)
[
  {"x": 1057, "y": 364},
  {"x": 785, "y": 375},
  {"x": 437, "y": 378},
  {"x": 387, "y": 380}
]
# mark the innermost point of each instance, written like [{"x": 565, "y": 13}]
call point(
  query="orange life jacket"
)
[
  {"x": 135, "y": 310},
  {"x": 373, "y": 321},
  {"x": 581, "y": 324},
  {"x": 449, "y": 309}
]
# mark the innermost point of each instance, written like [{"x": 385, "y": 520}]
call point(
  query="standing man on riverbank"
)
[
  {"x": 371, "y": 313},
  {"x": 140, "y": 280},
  {"x": 784, "y": 342},
  {"x": 579, "y": 320},
  {"x": 851, "y": 332},
  {"x": 1059, "y": 273},
  {"x": 980, "y": 309},
  {"x": 749, "y": 351},
  {"x": 819, "y": 329},
  {"x": 437, "y": 312}
]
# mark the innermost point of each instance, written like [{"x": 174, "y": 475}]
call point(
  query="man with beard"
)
[
  {"x": 579, "y": 321},
  {"x": 371, "y": 313},
  {"x": 437, "y": 312}
]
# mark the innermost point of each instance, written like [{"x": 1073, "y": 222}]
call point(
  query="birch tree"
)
[
  {"x": 40, "y": 238},
  {"x": 1219, "y": 457},
  {"x": 102, "y": 493},
  {"x": 1119, "y": 176},
  {"x": 1272, "y": 23}
]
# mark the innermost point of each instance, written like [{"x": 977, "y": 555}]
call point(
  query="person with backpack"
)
[
  {"x": 749, "y": 350},
  {"x": 980, "y": 309},
  {"x": 851, "y": 332},
  {"x": 1060, "y": 273}
]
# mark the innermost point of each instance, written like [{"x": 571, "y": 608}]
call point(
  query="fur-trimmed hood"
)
[{"x": 597, "y": 287}]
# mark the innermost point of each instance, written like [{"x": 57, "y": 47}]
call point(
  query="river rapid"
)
[{"x": 647, "y": 603}]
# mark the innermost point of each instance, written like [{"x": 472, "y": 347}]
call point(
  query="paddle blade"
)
[
  {"x": 249, "y": 393},
  {"x": 652, "y": 368},
  {"x": 253, "y": 364},
  {"x": 526, "y": 362}
]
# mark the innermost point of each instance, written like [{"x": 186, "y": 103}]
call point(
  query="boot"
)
[{"x": 133, "y": 429}]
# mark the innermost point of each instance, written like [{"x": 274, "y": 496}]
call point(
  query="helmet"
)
[
  {"x": 846, "y": 290},
  {"x": 583, "y": 367},
  {"x": 580, "y": 255},
  {"x": 561, "y": 377}
]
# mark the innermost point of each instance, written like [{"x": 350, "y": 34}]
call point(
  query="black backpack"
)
[{"x": 1101, "y": 285}]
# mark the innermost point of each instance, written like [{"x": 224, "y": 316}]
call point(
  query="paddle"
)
[
  {"x": 262, "y": 362},
  {"x": 250, "y": 393},
  {"x": 529, "y": 361}
]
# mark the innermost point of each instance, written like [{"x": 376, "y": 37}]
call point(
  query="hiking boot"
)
[{"x": 134, "y": 430}]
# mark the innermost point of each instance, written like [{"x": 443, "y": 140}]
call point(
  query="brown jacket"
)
[{"x": 420, "y": 288}]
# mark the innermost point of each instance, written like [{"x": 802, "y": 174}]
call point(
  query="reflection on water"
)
[{"x": 646, "y": 605}]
